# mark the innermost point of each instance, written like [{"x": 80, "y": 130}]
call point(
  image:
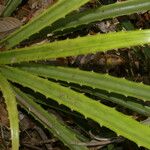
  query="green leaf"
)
[
  {"x": 121, "y": 100},
  {"x": 72, "y": 47},
  {"x": 50, "y": 121},
  {"x": 10, "y": 7},
  {"x": 50, "y": 15},
  {"x": 11, "y": 104},
  {"x": 104, "y": 115},
  {"x": 95, "y": 80},
  {"x": 127, "y": 102},
  {"x": 98, "y": 14}
]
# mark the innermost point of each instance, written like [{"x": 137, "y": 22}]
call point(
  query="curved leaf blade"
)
[
  {"x": 73, "y": 47},
  {"x": 50, "y": 15},
  {"x": 50, "y": 121},
  {"x": 98, "y": 14},
  {"x": 94, "y": 80},
  {"x": 10, "y": 7},
  {"x": 121, "y": 100},
  {"x": 10, "y": 101},
  {"x": 104, "y": 115}
]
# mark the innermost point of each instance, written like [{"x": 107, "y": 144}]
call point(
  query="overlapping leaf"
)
[
  {"x": 56, "y": 126},
  {"x": 100, "y": 113},
  {"x": 101, "y": 13},
  {"x": 11, "y": 104},
  {"x": 50, "y": 15},
  {"x": 99, "y": 81}
]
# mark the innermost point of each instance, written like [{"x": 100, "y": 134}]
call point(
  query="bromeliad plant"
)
[{"x": 34, "y": 76}]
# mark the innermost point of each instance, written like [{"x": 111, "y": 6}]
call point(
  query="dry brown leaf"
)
[
  {"x": 3, "y": 115},
  {"x": 39, "y": 3},
  {"x": 8, "y": 25},
  {"x": 2, "y": 7}
]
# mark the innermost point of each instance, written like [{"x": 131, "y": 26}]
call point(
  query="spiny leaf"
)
[
  {"x": 104, "y": 115},
  {"x": 50, "y": 15},
  {"x": 55, "y": 107},
  {"x": 81, "y": 45},
  {"x": 50, "y": 121},
  {"x": 103, "y": 12},
  {"x": 10, "y": 101},
  {"x": 92, "y": 79},
  {"x": 126, "y": 102},
  {"x": 96, "y": 80}
]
